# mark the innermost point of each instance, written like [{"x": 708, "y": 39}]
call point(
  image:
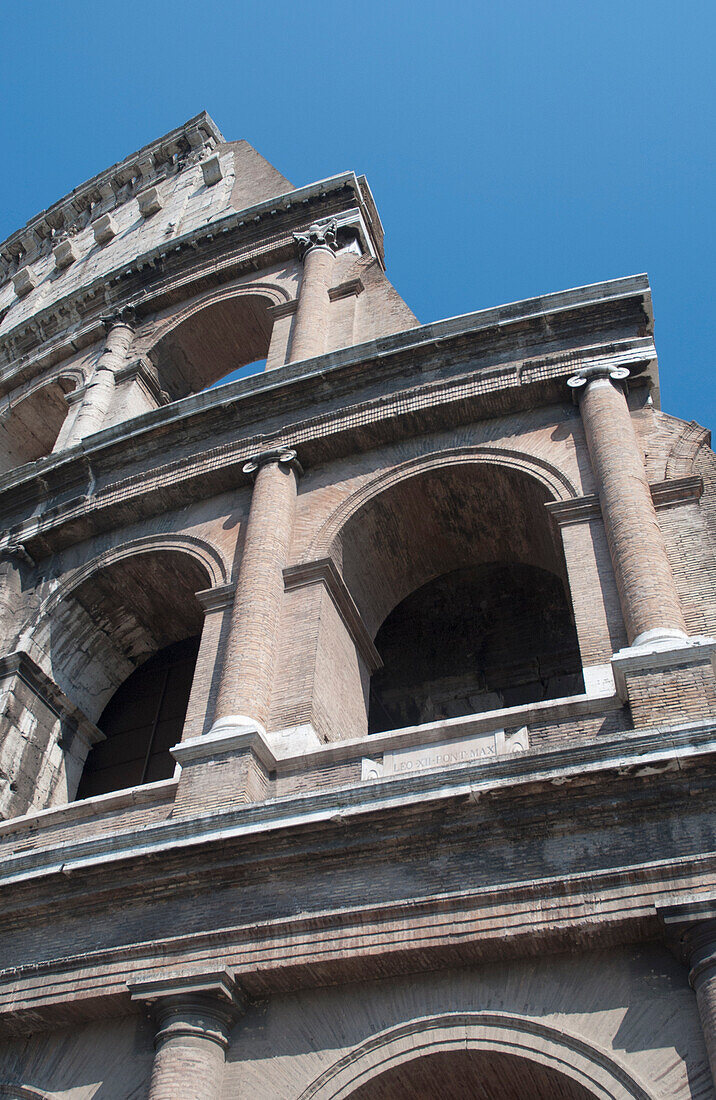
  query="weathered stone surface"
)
[{"x": 503, "y": 888}]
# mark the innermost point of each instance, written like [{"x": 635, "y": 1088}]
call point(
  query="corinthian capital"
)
[{"x": 318, "y": 236}]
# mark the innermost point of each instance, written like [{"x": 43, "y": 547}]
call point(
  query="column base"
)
[
  {"x": 228, "y": 766},
  {"x": 667, "y": 679}
]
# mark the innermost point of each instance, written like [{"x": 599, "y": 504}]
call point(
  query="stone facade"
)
[{"x": 437, "y": 817}]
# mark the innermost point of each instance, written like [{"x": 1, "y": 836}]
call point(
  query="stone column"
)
[
  {"x": 691, "y": 931},
  {"x": 650, "y": 604},
  {"x": 250, "y": 652},
  {"x": 310, "y": 325},
  {"x": 100, "y": 388},
  {"x": 194, "y": 1020}
]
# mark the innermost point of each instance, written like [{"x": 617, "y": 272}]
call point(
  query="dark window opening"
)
[
  {"x": 141, "y": 722},
  {"x": 475, "y": 639}
]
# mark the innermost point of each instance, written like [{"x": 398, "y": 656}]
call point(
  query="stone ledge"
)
[
  {"x": 86, "y": 809},
  {"x": 665, "y": 494},
  {"x": 590, "y": 907},
  {"x": 630, "y": 754}
]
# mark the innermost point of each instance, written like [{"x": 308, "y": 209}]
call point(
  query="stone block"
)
[
  {"x": 149, "y": 202},
  {"x": 211, "y": 171},
  {"x": 65, "y": 254},
  {"x": 24, "y": 281},
  {"x": 105, "y": 228}
]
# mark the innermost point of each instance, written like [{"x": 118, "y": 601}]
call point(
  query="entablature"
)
[
  {"x": 457, "y": 371},
  {"x": 259, "y": 236}
]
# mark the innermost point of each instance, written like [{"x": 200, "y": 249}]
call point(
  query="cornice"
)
[
  {"x": 643, "y": 753},
  {"x": 103, "y": 192},
  {"x": 76, "y": 318}
]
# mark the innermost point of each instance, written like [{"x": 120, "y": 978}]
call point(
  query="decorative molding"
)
[
  {"x": 318, "y": 235},
  {"x": 286, "y": 456},
  {"x": 685, "y": 449},
  {"x": 678, "y": 490},
  {"x": 283, "y": 309},
  {"x": 216, "y": 599},
  {"x": 220, "y": 984},
  {"x": 324, "y": 571},
  {"x": 236, "y": 734},
  {"x": 577, "y": 510},
  {"x": 143, "y": 371},
  {"x": 494, "y": 1031},
  {"x": 351, "y": 288},
  {"x": 664, "y": 494}
]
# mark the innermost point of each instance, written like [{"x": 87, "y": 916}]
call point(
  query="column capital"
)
[
  {"x": 318, "y": 236},
  {"x": 17, "y": 551},
  {"x": 582, "y": 377},
  {"x": 284, "y": 456},
  {"x": 691, "y": 929},
  {"x": 126, "y": 316},
  {"x": 202, "y": 1006}
]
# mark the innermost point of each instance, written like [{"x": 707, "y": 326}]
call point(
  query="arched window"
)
[
  {"x": 226, "y": 338},
  {"x": 141, "y": 722},
  {"x": 30, "y": 426},
  {"x": 460, "y": 579},
  {"x": 475, "y": 639}
]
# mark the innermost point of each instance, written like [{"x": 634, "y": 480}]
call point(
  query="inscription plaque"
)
[{"x": 445, "y": 754}]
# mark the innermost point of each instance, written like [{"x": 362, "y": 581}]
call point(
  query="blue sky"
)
[{"x": 513, "y": 148}]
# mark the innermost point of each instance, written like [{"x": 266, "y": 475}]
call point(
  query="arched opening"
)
[
  {"x": 460, "y": 578},
  {"x": 217, "y": 341},
  {"x": 479, "y": 1074},
  {"x": 476, "y": 1054},
  {"x": 29, "y": 429},
  {"x": 475, "y": 639},
  {"x": 121, "y": 645},
  {"x": 142, "y": 721}
]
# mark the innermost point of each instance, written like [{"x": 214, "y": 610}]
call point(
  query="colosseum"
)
[{"x": 357, "y": 694}]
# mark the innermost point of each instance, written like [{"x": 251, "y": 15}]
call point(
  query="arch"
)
[
  {"x": 32, "y": 418},
  {"x": 213, "y": 335},
  {"x": 203, "y": 552},
  {"x": 595, "y": 1070},
  {"x": 685, "y": 448},
  {"x": 273, "y": 291},
  {"x": 113, "y": 613},
  {"x": 557, "y": 484}
]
